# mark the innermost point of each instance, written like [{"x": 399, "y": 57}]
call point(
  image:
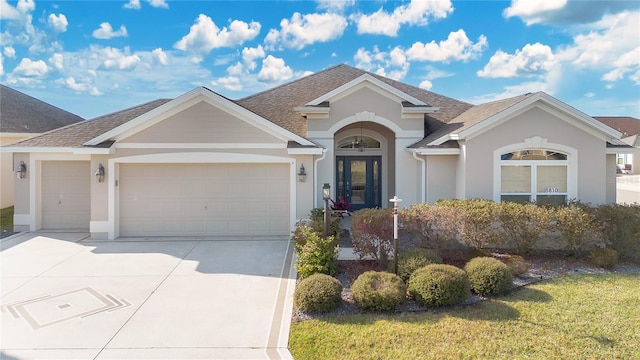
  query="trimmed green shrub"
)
[
  {"x": 604, "y": 258},
  {"x": 381, "y": 291},
  {"x": 315, "y": 254},
  {"x": 523, "y": 224},
  {"x": 372, "y": 233},
  {"x": 620, "y": 225},
  {"x": 317, "y": 293},
  {"x": 412, "y": 260},
  {"x": 478, "y": 222},
  {"x": 435, "y": 226},
  {"x": 516, "y": 265},
  {"x": 577, "y": 223},
  {"x": 439, "y": 285},
  {"x": 488, "y": 275},
  {"x": 317, "y": 223}
]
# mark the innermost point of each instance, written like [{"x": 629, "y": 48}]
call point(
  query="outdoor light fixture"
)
[
  {"x": 21, "y": 171},
  {"x": 302, "y": 174},
  {"x": 326, "y": 191},
  {"x": 100, "y": 174}
]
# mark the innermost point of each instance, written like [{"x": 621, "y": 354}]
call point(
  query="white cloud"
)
[
  {"x": 457, "y": 47},
  {"x": 160, "y": 56},
  {"x": 1, "y": 64},
  {"x": 391, "y": 64},
  {"x": 230, "y": 83},
  {"x": 417, "y": 12},
  {"x": 9, "y": 52},
  {"x": 159, "y": 4},
  {"x": 532, "y": 12},
  {"x": 274, "y": 70},
  {"x": 635, "y": 77},
  {"x": 533, "y": 59},
  {"x": 204, "y": 35},
  {"x": 105, "y": 31},
  {"x": 303, "y": 30},
  {"x": 433, "y": 73},
  {"x": 30, "y": 68},
  {"x": 8, "y": 12},
  {"x": 249, "y": 56},
  {"x": 114, "y": 59},
  {"x": 132, "y": 4},
  {"x": 71, "y": 83},
  {"x": 58, "y": 22},
  {"x": 335, "y": 5},
  {"x": 25, "y": 6},
  {"x": 426, "y": 85},
  {"x": 589, "y": 95},
  {"x": 626, "y": 63},
  {"x": 56, "y": 60}
]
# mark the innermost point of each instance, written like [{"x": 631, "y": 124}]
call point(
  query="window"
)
[
  {"x": 534, "y": 175},
  {"x": 355, "y": 142}
]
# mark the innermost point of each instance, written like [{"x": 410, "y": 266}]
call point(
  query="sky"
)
[{"x": 96, "y": 57}]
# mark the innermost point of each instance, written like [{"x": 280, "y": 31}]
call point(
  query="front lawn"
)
[{"x": 572, "y": 317}]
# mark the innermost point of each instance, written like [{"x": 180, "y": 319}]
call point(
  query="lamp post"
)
[
  {"x": 326, "y": 195},
  {"x": 395, "y": 202}
]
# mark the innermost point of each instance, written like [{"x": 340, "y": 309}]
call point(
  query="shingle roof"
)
[
  {"x": 21, "y": 113},
  {"x": 627, "y": 125},
  {"x": 75, "y": 135},
  {"x": 278, "y": 104}
]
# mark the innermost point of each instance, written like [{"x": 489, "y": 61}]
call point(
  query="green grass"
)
[
  {"x": 574, "y": 317},
  {"x": 6, "y": 219}
]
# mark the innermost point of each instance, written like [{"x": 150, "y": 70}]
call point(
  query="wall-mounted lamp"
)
[
  {"x": 21, "y": 171},
  {"x": 100, "y": 173},
  {"x": 302, "y": 174}
]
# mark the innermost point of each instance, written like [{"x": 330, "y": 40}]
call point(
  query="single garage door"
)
[
  {"x": 66, "y": 194},
  {"x": 204, "y": 199}
]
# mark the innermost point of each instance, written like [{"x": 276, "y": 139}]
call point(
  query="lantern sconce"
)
[
  {"x": 326, "y": 192},
  {"x": 21, "y": 171},
  {"x": 100, "y": 173},
  {"x": 302, "y": 174}
]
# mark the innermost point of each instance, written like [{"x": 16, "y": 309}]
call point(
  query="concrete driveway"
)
[{"x": 65, "y": 297}]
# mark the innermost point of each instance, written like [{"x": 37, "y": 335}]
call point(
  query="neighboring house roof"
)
[
  {"x": 627, "y": 125},
  {"x": 21, "y": 113},
  {"x": 75, "y": 135},
  {"x": 633, "y": 140}
]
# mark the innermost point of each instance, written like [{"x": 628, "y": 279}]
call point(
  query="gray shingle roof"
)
[
  {"x": 21, "y": 113},
  {"x": 75, "y": 135}
]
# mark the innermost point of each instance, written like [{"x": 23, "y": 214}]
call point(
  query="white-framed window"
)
[{"x": 541, "y": 175}]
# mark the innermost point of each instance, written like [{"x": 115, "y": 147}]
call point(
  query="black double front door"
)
[{"x": 358, "y": 181}]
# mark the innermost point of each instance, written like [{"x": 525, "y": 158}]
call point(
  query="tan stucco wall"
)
[
  {"x": 479, "y": 164},
  {"x": 22, "y": 197},
  {"x": 7, "y": 175},
  {"x": 202, "y": 123},
  {"x": 611, "y": 178},
  {"x": 99, "y": 191},
  {"x": 441, "y": 174}
]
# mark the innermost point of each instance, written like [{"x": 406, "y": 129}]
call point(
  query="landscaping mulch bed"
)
[{"x": 541, "y": 267}]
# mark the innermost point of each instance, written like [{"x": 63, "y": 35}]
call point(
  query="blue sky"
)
[{"x": 96, "y": 57}]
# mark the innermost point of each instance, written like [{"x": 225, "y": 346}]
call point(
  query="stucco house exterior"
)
[
  {"x": 630, "y": 129},
  {"x": 21, "y": 117},
  {"x": 203, "y": 165}
]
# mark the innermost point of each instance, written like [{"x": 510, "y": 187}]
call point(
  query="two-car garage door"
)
[{"x": 204, "y": 199}]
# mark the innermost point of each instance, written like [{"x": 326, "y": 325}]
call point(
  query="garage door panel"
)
[
  {"x": 65, "y": 194},
  {"x": 204, "y": 199}
]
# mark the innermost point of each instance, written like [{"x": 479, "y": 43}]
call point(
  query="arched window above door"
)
[{"x": 356, "y": 142}]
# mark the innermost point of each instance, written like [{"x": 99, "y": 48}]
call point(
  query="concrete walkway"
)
[{"x": 64, "y": 297}]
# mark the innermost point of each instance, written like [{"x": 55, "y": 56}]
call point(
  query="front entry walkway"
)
[{"x": 66, "y": 297}]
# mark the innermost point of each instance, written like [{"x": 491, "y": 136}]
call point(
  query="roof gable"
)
[{"x": 186, "y": 101}]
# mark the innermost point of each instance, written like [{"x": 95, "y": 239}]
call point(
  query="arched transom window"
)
[
  {"x": 359, "y": 142},
  {"x": 534, "y": 175}
]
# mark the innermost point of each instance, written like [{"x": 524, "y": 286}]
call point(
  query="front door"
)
[{"x": 358, "y": 180}]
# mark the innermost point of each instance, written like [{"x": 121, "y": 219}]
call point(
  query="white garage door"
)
[
  {"x": 66, "y": 194},
  {"x": 204, "y": 199}
]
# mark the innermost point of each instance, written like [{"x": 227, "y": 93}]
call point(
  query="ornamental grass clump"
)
[
  {"x": 317, "y": 293},
  {"x": 380, "y": 291},
  {"x": 488, "y": 275},
  {"x": 604, "y": 258},
  {"x": 414, "y": 259},
  {"x": 439, "y": 285}
]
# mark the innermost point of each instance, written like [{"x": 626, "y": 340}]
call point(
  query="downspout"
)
[
  {"x": 423, "y": 180},
  {"x": 315, "y": 177}
]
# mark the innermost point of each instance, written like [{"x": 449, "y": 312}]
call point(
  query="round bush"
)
[
  {"x": 488, "y": 275},
  {"x": 516, "y": 265},
  {"x": 414, "y": 259},
  {"x": 317, "y": 293},
  {"x": 381, "y": 291},
  {"x": 604, "y": 258},
  {"x": 439, "y": 285}
]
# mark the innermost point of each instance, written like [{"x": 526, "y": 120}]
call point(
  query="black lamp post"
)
[{"x": 326, "y": 195}]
